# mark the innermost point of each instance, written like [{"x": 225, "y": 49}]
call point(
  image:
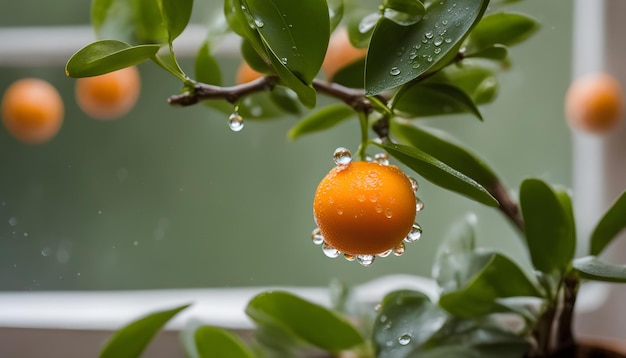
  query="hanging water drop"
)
[
  {"x": 349, "y": 257},
  {"x": 404, "y": 339},
  {"x": 259, "y": 23},
  {"x": 415, "y": 233},
  {"x": 382, "y": 158},
  {"x": 419, "y": 205},
  {"x": 283, "y": 61},
  {"x": 414, "y": 185},
  {"x": 330, "y": 251},
  {"x": 317, "y": 237},
  {"x": 399, "y": 250},
  {"x": 365, "y": 260},
  {"x": 394, "y": 71},
  {"x": 235, "y": 122},
  {"x": 342, "y": 156},
  {"x": 385, "y": 253}
]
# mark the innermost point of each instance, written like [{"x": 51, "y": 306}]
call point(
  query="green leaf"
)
[
  {"x": 592, "y": 268},
  {"x": 439, "y": 173},
  {"x": 322, "y": 119},
  {"x": 478, "y": 81},
  {"x": 399, "y": 54},
  {"x": 310, "y": 322},
  {"x": 207, "y": 70},
  {"x": 335, "y": 13},
  {"x": 502, "y": 29},
  {"x": 611, "y": 224},
  {"x": 166, "y": 58},
  {"x": 440, "y": 145},
  {"x": 481, "y": 279},
  {"x": 548, "y": 225},
  {"x": 285, "y": 99},
  {"x": 133, "y": 338},
  {"x": 105, "y": 56},
  {"x": 403, "y": 12},
  {"x": 432, "y": 99},
  {"x": 214, "y": 342},
  {"x": 137, "y": 21},
  {"x": 361, "y": 24},
  {"x": 405, "y": 321},
  {"x": 495, "y": 52},
  {"x": 176, "y": 14},
  {"x": 460, "y": 239},
  {"x": 351, "y": 75}
]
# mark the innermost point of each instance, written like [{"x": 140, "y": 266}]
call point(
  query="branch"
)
[{"x": 507, "y": 206}]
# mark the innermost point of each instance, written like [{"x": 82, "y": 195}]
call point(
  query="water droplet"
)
[
  {"x": 361, "y": 197},
  {"x": 437, "y": 50},
  {"x": 331, "y": 199},
  {"x": 429, "y": 35},
  {"x": 424, "y": 40},
  {"x": 414, "y": 234},
  {"x": 373, "y": 198},
  {"x": 388, "y": 343},
  {"x": 342, "y": 156},
  {"x": 414, "y": 185},
  {"x": 382, "y": 318},
  {"x": 399, "y": 250},
  {"x": 135, "y": 243},
  {"x": 46, "y": 252},
  {"x": 12, "y": 221},
  {"x": 413, "y": 55},
  {"x": 394, "y": 71},
  {"x": 400, "y": 51},
  {"x": 290, "y": 25},
  {"x": 448, "y": 40},
  {"x": 419, "y": 205},
  {"x": 404, "y": 339},
  {"x": 317, "y": 237},
  {"x": 416, "y": 65},
  {"x": 259, "y": 23},
  {"x": 330, "y": 251},
  {"x": 388, "y": 213},
  {"x": 365, "y": 260},
  {"x": 379, "y": 208},
  {"x": 235, "y": 122},
  {"x": 349, "y": 257},
  {"x": 429, "y": 59},
  {"x": 283, "y": 60},
  {"x": 445, "y": 22},
  {"x": 382, "y": 158},
  {"x": 438, "y": 41},
  {"x": 340, "y": 211},
  {"x": 25, "y": 234},
  {"x": 385, "y": 253},
  {"x": 379, "y": 307}
]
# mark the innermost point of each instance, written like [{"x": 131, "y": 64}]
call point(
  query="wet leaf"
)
[
  {"x": 501, "y": 29},
  {"x": 135, "y": 22},
  {"x": 592, "y": 268},
  {"x": 360, "y": 26},
  {"x": 335, "y": 13},
  {"x": 478, "y": 81},
  {"x": 207, "y": 69},
  {"x": 132, "y": 339},
  {"x": 106, "y": 56},
  {"x": 399, "y": 54},
  {"x": 494, "y": 52},
  {"x": 432, "y": 99},
  {"x": 312, "y": 323},
  {"x": 322, "y": 119},
  {"x": 439, "y": 173},
  {"x": 176, "y": 15},
  {"x": 214, "y": 342},
  {"x": 403, "y": 12},
  {"x": 610, "y": 225},
  {"x": 548, "y": 226}
]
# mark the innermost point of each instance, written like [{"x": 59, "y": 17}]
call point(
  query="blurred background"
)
[{"x": 171, "y": 197}]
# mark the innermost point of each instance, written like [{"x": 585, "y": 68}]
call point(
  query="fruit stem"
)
[{"x": 364, "y": 135}]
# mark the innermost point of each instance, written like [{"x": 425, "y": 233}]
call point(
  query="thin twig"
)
[
  {"x": 203, "y": 91},
  {"x": 507, "y": 206}
]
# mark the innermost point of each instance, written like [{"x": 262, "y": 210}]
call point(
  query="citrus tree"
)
[{"x": 386, "y": 67}]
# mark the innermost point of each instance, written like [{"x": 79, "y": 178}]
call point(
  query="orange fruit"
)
[
  {"x": 32, "y": 110},
  {"x": 594, "y": 103},
  {"x": 109, "y": 96},
  {"x": 364, "y": 208},
  {"x": 340, "y": 53},
  {"x": 245, "y": 73}
]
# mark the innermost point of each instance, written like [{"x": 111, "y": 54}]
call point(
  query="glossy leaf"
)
[
  {"x": 460, "y": 239},
  {"x": 440, "y": 145},
  {"x": 548, "y": 226},
  {"x": 361, "y": 24},
  {"x": 481, "y": 279},
  {"x": 133, "y": 338},
  {"x": 592, "y": 268},
  {"x": 322, "y": 119},
  {"x": 351, "y": 75},
  {"x": 611, "y": 224},
  {"x": 439, "y": 173},
  {"x": 167, "y": 60},
  {"x": 310, "y": 322},
  {"x": 335, "y": 13},
  {"x": 207, "y": 70},
  {"x": 176, "y": 15},
  {"x": 137, "y": 21},
  {"x": 478, "y": 81},
  {"x": 407, "y": 319},
  {"x": 403, "y": 12},
  {"x": 241, "y": 23},
  {"x": 105, "y": 56},
  {"x": 495, "y": 52},
  {"x": 432, "y": 99},
  {"x": 285, "y": 99},
  {"x": 503, "y": 29},
  {"x": 214, "y": 342},
  {"x": 399, "y": 54}
]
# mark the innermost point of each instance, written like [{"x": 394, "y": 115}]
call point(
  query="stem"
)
[
  {"x": 364, "y": 135},
  {"x": 507, "y": 206},
  {"x": 202, "y": 91},
  {"x": 564, "y": 335}
]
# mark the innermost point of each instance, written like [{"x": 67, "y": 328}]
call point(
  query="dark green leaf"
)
[
  {"x": 360, "y": 26},
  {"x": 481, "y": 279},
  {"x": 167, "y": 60},
  {"x": 439, "y": 173},
  {"x": 441, "y": 146},
  {"x": 351, "y": 75},
  {"x": 501, "y": 28},
  {"x": 285, "y": 99},
  {"x": 207, "y": 69},
  {"x": 105, "y": 56},
  {"x": 478, "y": 81},
  {"x": 335, "y": 13},
  {"x": 241, "y": 23},
  {"x": 611, "y": 224},
  {"x": 406, "y": 320},
  {"x": 322, "y": 119},
  {"x": 548, "y": 226},
  {"x": 592, "y": 268},
  {"x": 399, "y": 54},
  {"x": 494, "y": 52},
  {"x": 432, "y": 99},
  {"x": 214, "y": 342},
  {"x": 176, "y": 14},
  {"x": 138, "y": 21},
  {"x": 310, "y": 322},
  {"x": 133, "y": 338},
  {"x": 252, "y": 58},
  {"x": 403, "y": 12}
]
